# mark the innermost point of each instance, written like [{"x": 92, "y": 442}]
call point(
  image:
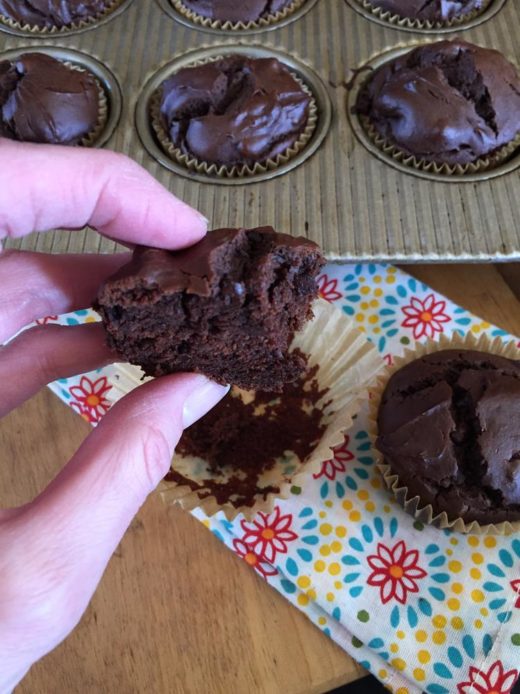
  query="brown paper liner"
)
[
  {"x": 491, "y": 161},
  {"x": 56, "y": 31},
  {"x": 409, "y": 23},
  {"x": 237, "y": 171},
  {"x": 347, "y": 365},
  {"x": 261, "y": 23},
  {"x": 413, "y": 506},
  {"x": 90, "y": 139}
]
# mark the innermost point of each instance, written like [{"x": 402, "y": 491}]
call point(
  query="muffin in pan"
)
[
  {"x": 434, "y": 12},
  {"x": 236, "y": 16},
  {"x": 53, "y": 15}
]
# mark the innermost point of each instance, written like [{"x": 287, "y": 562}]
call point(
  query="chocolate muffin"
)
[
  {"x": 226, "y": 307},
  {"x": 448, "y": 102},
  {"x": 46, "y": 14},
  {"x": 234, "y": 111},
  {"x": 449, "y": 427},
  {"x": 232, "y": 11},
  {"x": 44, "y": 100},
  {"x": 433, "y": 11}
]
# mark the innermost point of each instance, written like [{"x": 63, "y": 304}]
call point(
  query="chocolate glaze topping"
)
[
  {"x": 233, "y": 11},
  {"x": 449, "y": 427},
  {"x": 449, "y": 102},
  {"x": 51, "y": 13},
  {"x": 43, "y": 100},
  {"x": 237, "y": 110},
  {"x": 429, "y": 10}
]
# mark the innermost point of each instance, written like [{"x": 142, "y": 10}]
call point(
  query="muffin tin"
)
[{"x": 343, "y": 195}]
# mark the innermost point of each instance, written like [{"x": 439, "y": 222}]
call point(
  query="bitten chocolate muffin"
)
[
  {"x": 432, "y": 11},
  {"x": 226, "y": 307},
  {"x": 448, "y": 102},
  {"x": 234, "y": 111},
  {"x": 232, "y": 11},
  {"x": 52, "y": 13},
  {"x": 449, "y": 427},
  {"x": 43, "y": 100}
]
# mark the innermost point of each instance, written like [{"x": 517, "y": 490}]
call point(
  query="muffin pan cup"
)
[{"x": 413, "y": 505}]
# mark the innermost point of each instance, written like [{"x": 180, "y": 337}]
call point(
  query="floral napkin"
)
[{"x": 420, "y": 608}]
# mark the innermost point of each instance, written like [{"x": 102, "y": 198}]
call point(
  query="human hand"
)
[{"x": 53, "y": 551}]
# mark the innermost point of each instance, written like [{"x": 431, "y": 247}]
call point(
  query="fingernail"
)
[
  {"x": 204, "y": 219},
  {"x": 200, "y": 401}
]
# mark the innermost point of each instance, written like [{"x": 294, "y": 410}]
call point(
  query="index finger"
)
[{"x": 45, "y": 187}]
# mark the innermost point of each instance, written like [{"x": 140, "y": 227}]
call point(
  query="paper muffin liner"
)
[
  {"x": 400, "y": 22},
  {"x": 261, "y": 23},
  {"x": 412, "y": 505},
  {"x": 57, "y": 31},
  {"x": 347, "y": 364},
  {"x": 237, "y": 171},
  {"x": 481, "y": 165},
  {"x": 90, "y": 139}
]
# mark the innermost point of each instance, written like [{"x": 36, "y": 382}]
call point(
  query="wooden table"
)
[{"x": 176, "y": 611}]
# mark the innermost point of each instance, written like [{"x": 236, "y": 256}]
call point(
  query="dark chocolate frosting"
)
[
  {"x": 51, "y": 13},
  {"x": 237, "y": 110},
  {"x": 429, "y": 11},
  {"x": 449, "y": 102},
  {"x": 233, "y": 11},
  {"x": 449, "y": 427},
  {"x": 43, "y": 100}
]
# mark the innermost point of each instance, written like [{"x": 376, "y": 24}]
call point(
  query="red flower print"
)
[
  {"x": 340, "y": 456},
  {"x": 515, "y": 585},
  {"x": 47, "y": 319},
  {"x": 328, "y": 289},
  {"x": 251, "y": 558},
  {"x": 395, "y": 572},
  {"x": 90, "y": 395},
  {"x": 425, "y": 317},
  {"x": 267, "y": 535},
  {"x": 88, "y": 415},
  {"x": 494, "y": 681}
]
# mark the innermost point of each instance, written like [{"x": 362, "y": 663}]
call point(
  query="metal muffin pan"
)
[
  {"x": 490, "y": 11},
  {"x": 310, "y": 79},
  {"x": 345, "y": 198},
  {"x": 167, "y": 6},
  {"x": 106, "y": 78},
  {"x": 64, "y": 31}
]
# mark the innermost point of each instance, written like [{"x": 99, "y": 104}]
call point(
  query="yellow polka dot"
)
[
  {"x": 324, "y": 550},
  {"x": 485, "y": 325},
  {"x": 473, "y": 541},
  {"x": 206, "y": 523},
  {"x": 394, "y": 648},
  {"x": 439, "y": 621},
  {"x": 398, "y": 664},
  {"x": 475, "y": 573},
  {"x": 457, "y": 623},
  {"x": 373, "y": 319},
  {"x": 449, "y": 552},
  {"x": 319, "y": 565},
  {"x": 386, "y": 509},
  {"x": 390, "y": 280},
  {"x": 490, "y": 542},
  {"x": 477, "y": 558},
  {"x": 378, "y": 292},
  {"x": 419, "y": 674},
  {"x": 376, "y": 330},
  {"x": 484, "y": 611},
  {"x": 322, "y": 514},
  {"x": 360, "y": 317},
  {"x": 391, "y": 270},
  {"x": 438, "y": 637},
  {"x": 383, "y": 674},
  {"x": 455, "y": 566},
  {"x": 421, "y": 635},
  {"x": 328, "y": 503},
  {"x": 477, "y": 596},
  {"x": 330, "y": 597},
  {"x": 341, "y": 531},
  {"x": 362, "y": 279},
  {"x": 454, "y": 541},
  {"x": 375, "y": 483},
  {"x": 311, "y": 594},
  {"x": 347, "y": 505},
  {"x": 334, "y": 569},
  {"x": 370, "y": 506},
  {"x": 457, "y": 588},
  {"x": 423, "y": 657},
  {"x": 338, "y": 585},
  {"x": 325, "y": 528},
  {"x": 304, "y": 581},
  {"x": 322, "y": 621},
  {"x": 453, "y": 604},
  {"x": 364, "y": 305},
  {"x": 302, "y": 599},
  {"x": 478, "y": 624},
  {"x": 402, "y": 690},
  {"x": 336, "y": 546},
  {"x": 365, "y": 290},
  {"x": 354, "y": 516},
  {"x": 363, "y": 495},
  {"x": 475, "y": 328},
  {"x": 377, "y": 279},
  {"x": 400, "y": 634}
]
